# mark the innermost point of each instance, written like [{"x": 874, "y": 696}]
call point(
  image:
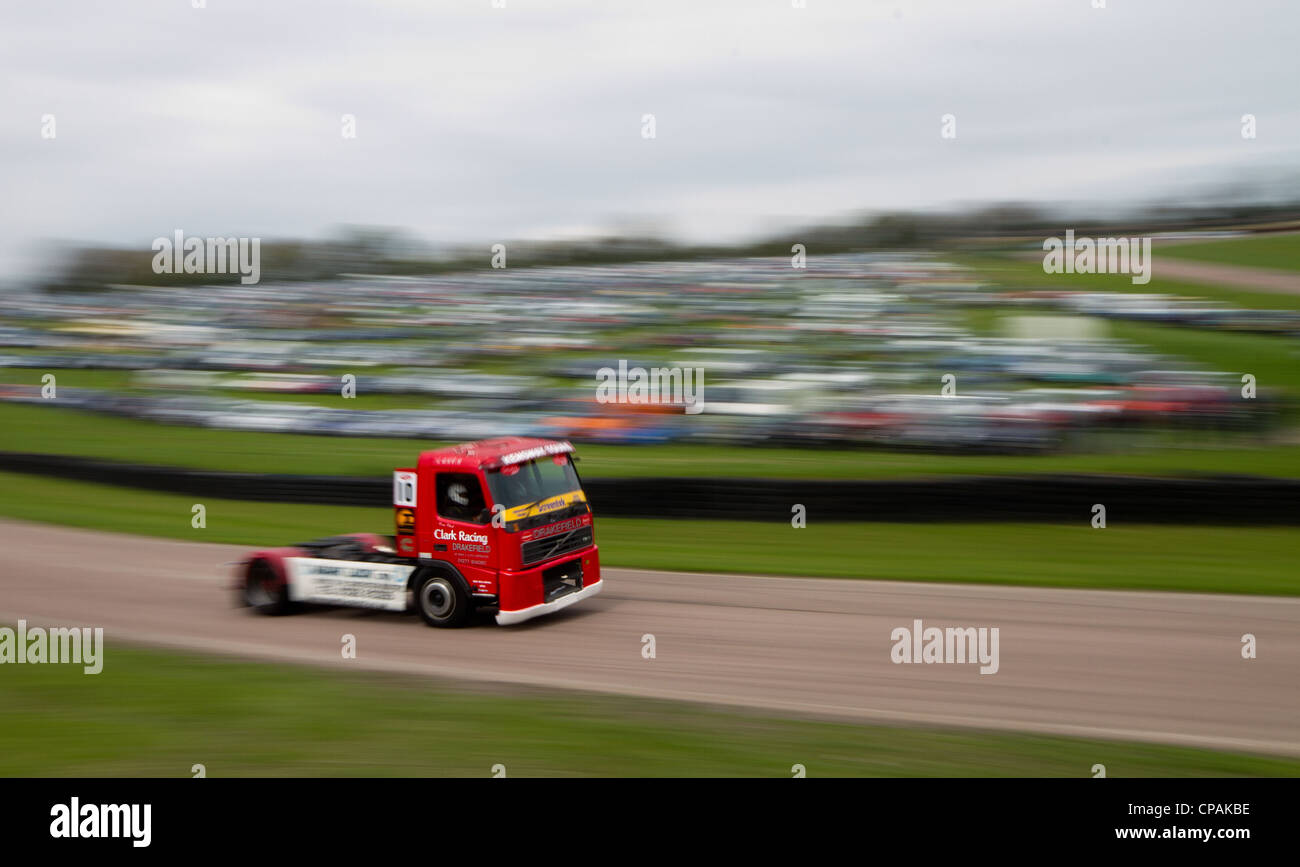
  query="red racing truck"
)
[{"x": 499, "y": 525}]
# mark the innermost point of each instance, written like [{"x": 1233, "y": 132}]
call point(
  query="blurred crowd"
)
[{"x": 898, "y": 350}]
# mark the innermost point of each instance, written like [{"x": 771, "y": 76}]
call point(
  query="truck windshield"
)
[{"x": 533, "y": 482}]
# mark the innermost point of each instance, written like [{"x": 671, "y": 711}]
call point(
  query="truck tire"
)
[
  {"x": 263, "y": 591},
  {"x": 441, "y": 601}
]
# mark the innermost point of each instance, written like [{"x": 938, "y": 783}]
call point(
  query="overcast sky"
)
[{"x": 476, "y": 124}]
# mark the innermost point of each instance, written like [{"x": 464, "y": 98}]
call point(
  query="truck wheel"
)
[
  {"x": 263, "y": 592},
  {"x": 441, "y": 602}
]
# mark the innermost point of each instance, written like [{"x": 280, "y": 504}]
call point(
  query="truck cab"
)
[
  {"x": 508, "y": 516},
  {"x": 498, "y": 525}
]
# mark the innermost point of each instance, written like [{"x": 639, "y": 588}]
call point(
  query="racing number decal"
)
[
  {"x": 403, "y": 488},
  {"x": 404, "y": 502}
]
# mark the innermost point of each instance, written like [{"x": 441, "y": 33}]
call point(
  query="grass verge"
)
[
  {"x": 151, "y": 713},
  {"x": 51, "y": 430},
  {"x": 1027, "y": 273},
  {"x": 1210, "y": 559},
  {"x": 1280, "y": 251}
]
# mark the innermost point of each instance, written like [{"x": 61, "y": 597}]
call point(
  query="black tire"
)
[
  {"x": 263, "y": 591},
  {"x": 441, "y": 601}
]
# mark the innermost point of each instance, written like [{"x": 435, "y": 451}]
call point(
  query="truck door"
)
[{"x": 462, "y": 532}]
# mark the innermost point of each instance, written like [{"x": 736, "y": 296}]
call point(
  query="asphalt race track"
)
[{"x": 1163, "y": 667}]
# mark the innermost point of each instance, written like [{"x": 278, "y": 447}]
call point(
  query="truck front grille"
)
[{"x": 544, "y": 549}]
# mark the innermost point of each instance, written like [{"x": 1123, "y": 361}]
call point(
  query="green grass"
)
[
  {"x": 1149, "y": 557},
  {"x": 114, "y": 380},
  {"x": 51, "y": 430},
  {"x": 1209, "y": 559},
  {"x": 1281, "y": 251},
  {"x": 1027, "y": 273},
  {"x": 156, "y": 714},
  {"x": 1273, "y": 359},
  {"x": 149, "y": 513}
]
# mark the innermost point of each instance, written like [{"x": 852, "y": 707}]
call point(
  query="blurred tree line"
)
[{"x": 378, "y": 250}]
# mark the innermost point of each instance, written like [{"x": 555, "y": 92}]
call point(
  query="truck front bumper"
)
[{"x": 505, "y": 618}]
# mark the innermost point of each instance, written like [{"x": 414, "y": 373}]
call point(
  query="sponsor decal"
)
[
  {"x": 537, "y": 452},
  {"x": 550, "y": 504},
  {"x": 558, "y": 527},
  {"x": 405, "y": 520},
  {"x": 472, "y": 548},
  {"x": 459, "y": 536},
  {"x": 343, "y": 582}
]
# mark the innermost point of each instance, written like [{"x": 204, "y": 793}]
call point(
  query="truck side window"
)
[{"x": 460, "y": 498}]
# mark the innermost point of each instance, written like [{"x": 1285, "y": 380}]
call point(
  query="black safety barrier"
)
[{"x": 1245, "y": 500}]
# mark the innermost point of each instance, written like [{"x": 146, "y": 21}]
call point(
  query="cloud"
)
[{"x": 478, "y": 124}]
